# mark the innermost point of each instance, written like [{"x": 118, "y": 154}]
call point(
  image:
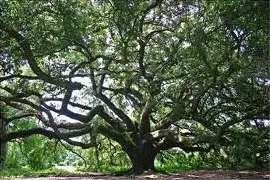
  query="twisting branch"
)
[
  {"x": 145, "y": 117},
  {"x": 66, "y": 100},
  {"x": 146, "y": 11},
  {"x": 25, "y": 133},
  {"x": 18, "y": 76},
  {"x": 28, "y": 54},
  {"x": 8, "y": 120},
  {"x": 117, "y": 111},
  {"x": 71, "y": 103}
]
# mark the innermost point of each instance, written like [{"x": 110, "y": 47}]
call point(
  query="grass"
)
[{"x": 26, "y": 171}]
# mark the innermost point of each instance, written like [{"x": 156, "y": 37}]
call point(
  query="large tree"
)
[{"x": 150, "y": 75}]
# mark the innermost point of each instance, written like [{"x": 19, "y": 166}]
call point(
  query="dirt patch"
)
[{"x": 201, "y": 174}]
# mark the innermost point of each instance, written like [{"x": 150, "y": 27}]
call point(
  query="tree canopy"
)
[{"x": 150, "y": 75}]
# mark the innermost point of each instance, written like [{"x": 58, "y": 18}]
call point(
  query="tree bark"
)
[
  {"x": 143, "y": 154},
  {"x": 142, "y": 159}
]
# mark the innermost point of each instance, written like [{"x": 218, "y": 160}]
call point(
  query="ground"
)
[{"x": 200, "y": 174}]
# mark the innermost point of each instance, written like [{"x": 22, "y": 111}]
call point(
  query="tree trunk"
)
[
  {"x": 142, "y": 159},
  {"x": 143, "y": 156},
  {"x": 2, "y": 145}
]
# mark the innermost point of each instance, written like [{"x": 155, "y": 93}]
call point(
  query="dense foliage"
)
[{"x": 140, "y": 76}]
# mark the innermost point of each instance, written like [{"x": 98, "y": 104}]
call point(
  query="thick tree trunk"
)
[
  {"x": 142, "y": 159},
  {"x": 143, "y": 156}
]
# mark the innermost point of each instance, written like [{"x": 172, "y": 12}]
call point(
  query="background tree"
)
[{"x": 150, "y": 75}]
